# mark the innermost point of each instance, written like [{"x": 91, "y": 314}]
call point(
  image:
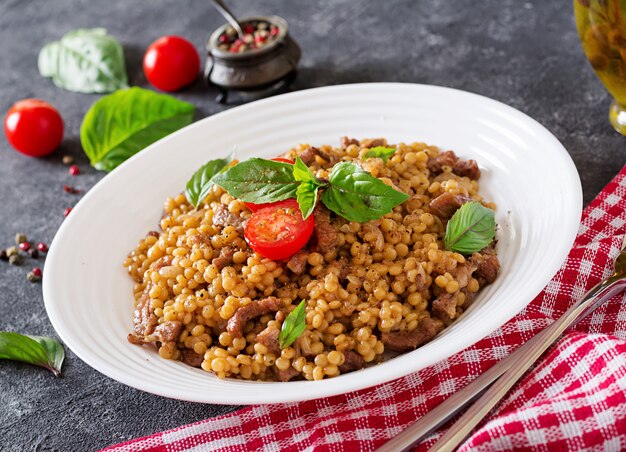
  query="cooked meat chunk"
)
[
  {"x": 347, "y": 141},
  {"x": 225, "y": 257},
  {"x": 308, "y": 155},
  {"x": 353, "y": 361},
  {"x": 223, "y": 217},
  {"x": 444, "y": 306},
  {"x": 487, "y": 266},
  {"x": 402, "y": 342},
  {"x": 297, "y": 262},
  {"x": 325, "y": 234},
  {"x": 286, "y": 375},
  {"x": 342, "y": 267},
  {"x": 373, "y": 142},
  {"x": 134, "y": 339},
  {"x": 144, "y": 319},
  {"x": 191, "y": 358},
  {"x": 269, "y": 338},
  {"x": 466, "y": 168},
  {"x": 168, "y": 331},
  {"x": 253, "y": 309},
  {"x": 446, "y": 158},
  {"x": 463, "y": 273},
  {"x": 446, "y": 204}
]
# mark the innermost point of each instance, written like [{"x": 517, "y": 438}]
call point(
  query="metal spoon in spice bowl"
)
[{"x": 230, "y": 17}]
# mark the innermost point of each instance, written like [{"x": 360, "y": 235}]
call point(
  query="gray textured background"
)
[{"x": 525, "y": 54}]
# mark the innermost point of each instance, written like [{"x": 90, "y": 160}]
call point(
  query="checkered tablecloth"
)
[{"x": 574, "y": 399}]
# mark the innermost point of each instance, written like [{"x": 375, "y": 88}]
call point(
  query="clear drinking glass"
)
[{"x": 602, "y": 30}]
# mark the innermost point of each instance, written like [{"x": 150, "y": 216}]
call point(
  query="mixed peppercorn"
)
[
  {"x": 15, "y": 255},
  {"x": 257, "y": 34}
]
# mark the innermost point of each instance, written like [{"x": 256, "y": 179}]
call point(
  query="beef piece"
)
[
  {"x": 487, "y": 266},
  {"x": 225, "y": 257},
  {"x": 466, "y": 168},
  {"x": 324, "y": 234},
  {"x": 446, "y": 158},
  {"x": 444, "y": 306},
  {"x": 253, "y": 309},
  {"x": 308, "y": 155},
  {"x": 446, "y": 204},
  {"x": 297, "y": 262},
  {"x": 223, "y": 217},
  {"x": 269, "y": 338},
  {"x": 352, "y": 361},
  {"x": 191, "y": 358},
  {"x": 286, "y": 375},
  {"x": 343, "y": 267},
  {"x": 347, "y": 141},
  {"x": 144, "y": 319},
  {"x": 134, "y": 339},
  {"x": 373, "y": 142},
  {"x": 168, "y": 331},
  {"x": 402, "y": 342}
]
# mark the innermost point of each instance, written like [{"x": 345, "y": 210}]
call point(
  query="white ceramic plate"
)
[{"x": 526, "y": 171}]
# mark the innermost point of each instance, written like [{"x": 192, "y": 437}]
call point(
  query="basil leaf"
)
[
  {"x": 85, "y": 61},
  {"x": 41, "y": 351},
  {"x": 306, "y": 193},
  {"x": 259, "y": 181},
  {"x": 121, "y": 124},
  {"x": 471, "y": 228},
  {"x": 293, "y": 326},
  {"x": 380, "y": 152},
  {"x": 201, "y": 182},
  {"x": 357, "y": 195}
]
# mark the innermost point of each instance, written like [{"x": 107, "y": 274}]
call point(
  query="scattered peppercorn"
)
[
  {"x": 67, "y": 211},
  {"x": 74, "y": 171},
  {"x": 72, "y": 190},
  {"x": 20, "y": 238},
  {"x": 15, "y": 259},
  {"x": 25, "y": 246},
  {"x": 33, "y": 253},
  {"x": 12, "y": 251},
  {"x": 3, "y": 255},
  {"x": 42, "y": 247},
  {"x": 32, "y": 276},
  {"x": 68, "y": 159},
  {"x": 154, "y": 234},
  {"x": 36, "y": 271}
]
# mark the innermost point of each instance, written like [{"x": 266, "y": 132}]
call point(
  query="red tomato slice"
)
[
  {"x": 254, "y": 207},
  {"x": 278, "y": 231}
]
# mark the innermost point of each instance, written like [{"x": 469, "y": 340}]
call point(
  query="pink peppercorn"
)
[
  {"x": 42, "y": 247},
  {"x": 37, "y": 272},
  {"x": 24, "y": 246},
  {"x": 74, "y": 170},
  {"x": 67, "y": 211}
]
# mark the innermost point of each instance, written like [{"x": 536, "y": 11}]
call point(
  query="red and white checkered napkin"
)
[{"x": 574, "y": 399}]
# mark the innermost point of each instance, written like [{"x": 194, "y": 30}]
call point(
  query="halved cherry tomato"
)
[
  {"x": 254, "y": 207},
  {"x": 278, "y": 231}
]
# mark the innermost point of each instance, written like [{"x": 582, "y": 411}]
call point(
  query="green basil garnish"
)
[
  {"x": 380, "y": 152},
  {"x": 121, "y": 124},
  {"x": 259, "y": 181},
  {"x": 41, "y": 351},
  {"x": 201, "y": 182},
  {"x": 293, "y": 326},
  {"x": 471, "y": 228},
  {"x": 306, "y": 194},
  {"x": 357, "y": 195},
  {"x": 85, "y": 61}
]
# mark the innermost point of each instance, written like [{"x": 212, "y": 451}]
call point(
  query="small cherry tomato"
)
[
  {"x": 254, "y": 207},
  {"x": 278, "y": 231},
  {"x": 171, "y": 63},
  {"x": 33, "y": 127}
]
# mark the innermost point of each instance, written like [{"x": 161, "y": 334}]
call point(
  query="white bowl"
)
[{"x": 525, "y": 170}]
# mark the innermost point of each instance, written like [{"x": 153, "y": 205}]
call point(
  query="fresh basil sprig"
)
[
  {"x": 85, "y": 61},
  {"x": 293, "y": 326},
  {"x": 471, "y": 228},
  {"x": 381, "y": 152},
  {"x": 306, "y": 193},
  {"x": 121, "y": 124},
  {"x": 41, "y": 351},
  {"x": 201, "y": 182},
  {"x": 259, "y": 181},
  {"x": 358, "y": 196}
]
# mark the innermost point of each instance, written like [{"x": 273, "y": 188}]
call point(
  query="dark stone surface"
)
[{"x": 525, "y": 54}]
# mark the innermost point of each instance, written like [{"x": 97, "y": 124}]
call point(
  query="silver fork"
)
[{"x": 505, "y": 373}]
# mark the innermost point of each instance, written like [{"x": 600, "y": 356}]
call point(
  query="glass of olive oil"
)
[{"x": 602, "y": 29}]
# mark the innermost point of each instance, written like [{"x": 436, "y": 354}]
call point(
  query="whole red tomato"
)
[
  {"x": 33, "y": 127},
  {"x": 171, "y": 63}
]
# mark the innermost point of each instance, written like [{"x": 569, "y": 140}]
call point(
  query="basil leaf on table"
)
[
  {"x": 357, "y": 195},
  {"x": 259, "y": 181},
  {"x": 293, "y": 326},
  {"x": 471, "y": 228},
  {"x": 41, "y": 351},
  {"x": 121, "y": 124},
  {"x": 85, "y": 61},
  {"x": 306, "y": 193},
  {"x": 381, "y": 152},
  {"x": 201, "y": 182}
]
